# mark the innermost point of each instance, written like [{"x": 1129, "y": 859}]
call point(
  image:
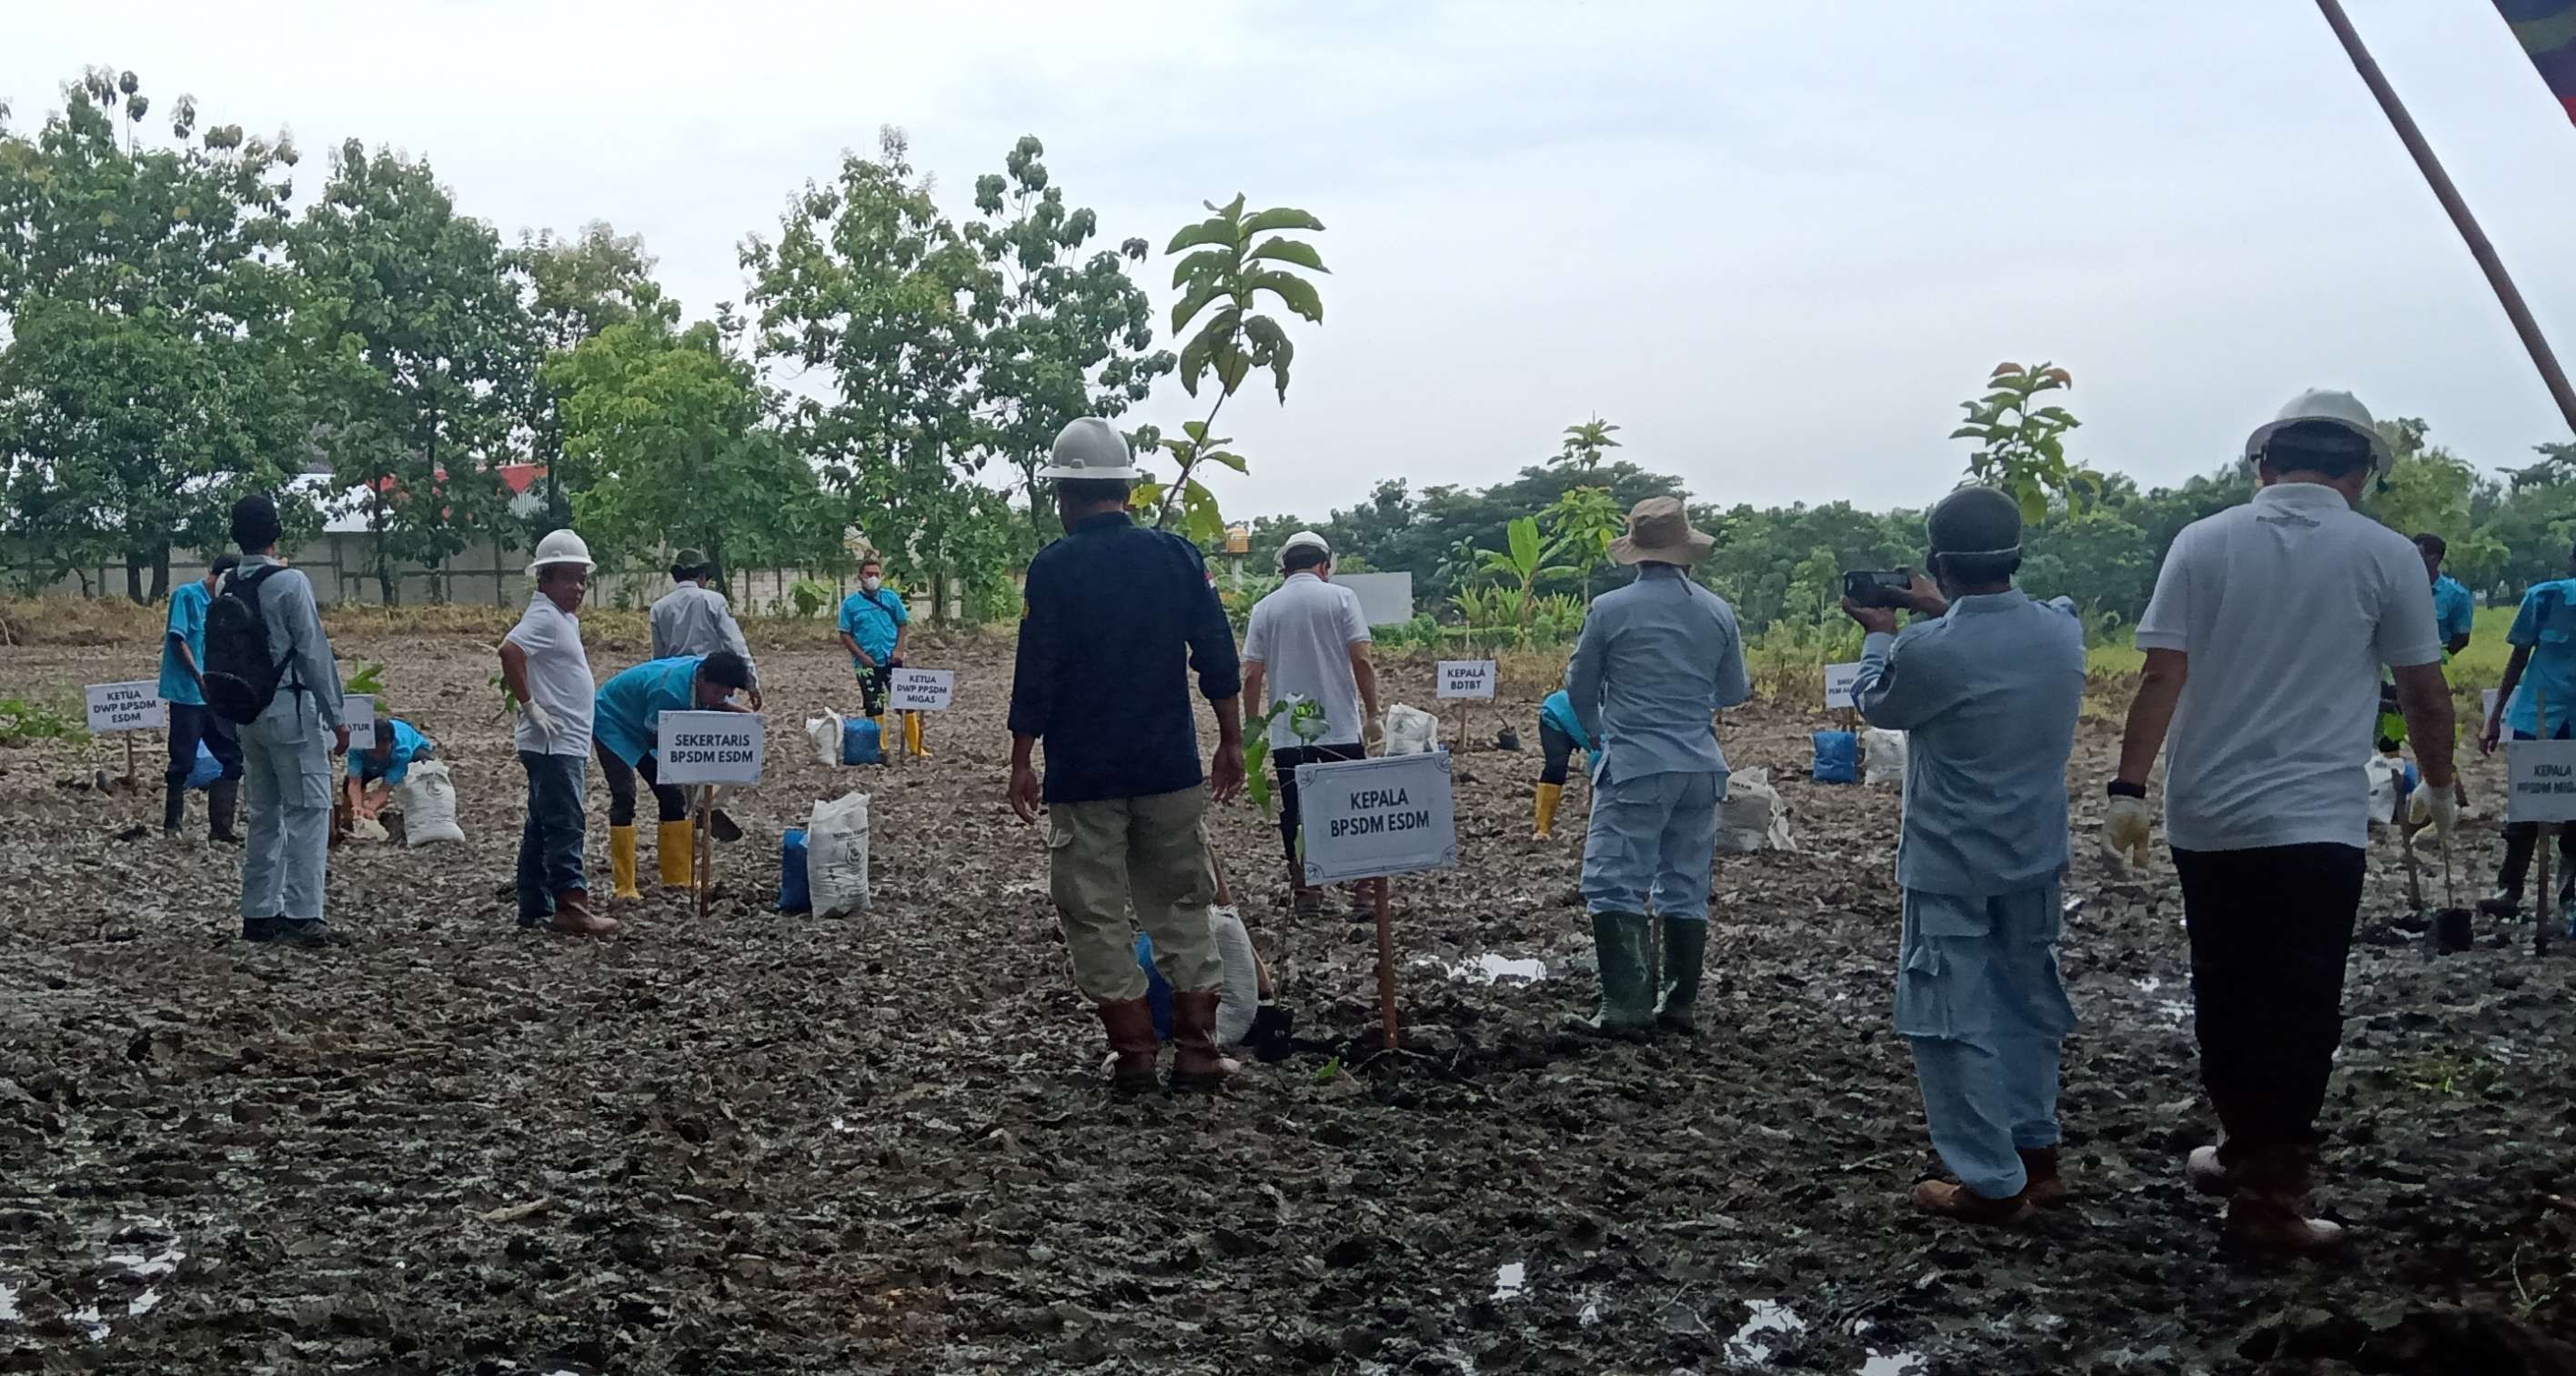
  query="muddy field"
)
[{"x": 769, "y": 1143}]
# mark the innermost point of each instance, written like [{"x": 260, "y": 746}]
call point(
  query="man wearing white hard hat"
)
[
  {"x": 1118, "y": 616},
  {"x": 548, "y": 676},
  {"x": 1309, "y": 641},
  {"x": 2264, "y": 642}
]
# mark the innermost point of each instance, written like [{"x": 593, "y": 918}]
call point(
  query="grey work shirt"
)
[
  {"x": 1988, "y": 695},
  {"x": 297, "y": 643},
  {"x": 1656, "y": 661},
  {"x": 691, "y": 620}
]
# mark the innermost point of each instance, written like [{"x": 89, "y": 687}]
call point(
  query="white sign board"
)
[
  {"x": 709, "y": 748},
  {"x": 1467, "y": 678},
  {"x": 1366, "y": 818},
  {"x": 1838, "y": 684},
  {"x": 922, "y": 690},
  {"x": 1386, "y": 599},
  {"x": 2540, "y": 781},
  {"x": 358, "y": 713},
  {"x": 135, "y": 706}
]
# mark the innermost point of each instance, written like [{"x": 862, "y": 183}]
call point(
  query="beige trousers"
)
[{"x": 1150, "y": 852}]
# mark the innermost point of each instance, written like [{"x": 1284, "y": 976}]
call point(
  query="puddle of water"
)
[
  {"x": 143, "y": 1304},
  {"x": 90, "y": 1319},
  {"x": 1892, "y": 1364},
  {"x": 1749, "y": 1344},
  {"x": 1510, "y": 1279},
  {"x": 1490, "y": 968},
  {"x": 9, "y": 1304},
  {"x": 2148, "y": 985}
]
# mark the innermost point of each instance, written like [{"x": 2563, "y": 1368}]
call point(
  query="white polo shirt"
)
[
  {"x": 2287, "y": 607},
  {"x": 1304, "y": 633}
]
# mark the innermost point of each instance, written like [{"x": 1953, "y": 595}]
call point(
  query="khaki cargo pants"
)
[{"x": 1151, "y": 852}]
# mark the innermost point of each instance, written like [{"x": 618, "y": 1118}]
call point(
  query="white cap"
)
[
  {"x": 1305, "y": 538},
  {"x": 560, "y": 547},
  {"x": 2335, "y": 408},
  {"x": 1091, "y": 448}
]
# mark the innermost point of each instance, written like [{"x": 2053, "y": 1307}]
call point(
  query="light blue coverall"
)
[
  {"x": 286, "y": 756},
  {"x": 1656, "y": 661},
  {"x": 1989, "y": 696}
]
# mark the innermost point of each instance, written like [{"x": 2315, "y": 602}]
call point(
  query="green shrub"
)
[
  {"x": 22, "y": 722},
  {"x": 810, "y": 598}
]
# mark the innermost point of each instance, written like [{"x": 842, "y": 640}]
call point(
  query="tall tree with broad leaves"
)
[
  {"x": 432, "y": 355},
  {"x": 573, "y": 286},
  {"x": 148, "y": 376},
  {"x": 1234, "y": 260},
  {"x": 869, "y": 285},
  {"x": 1063, "y": 339}
]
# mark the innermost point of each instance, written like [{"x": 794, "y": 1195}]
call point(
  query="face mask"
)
[{"x": 872, "y": 583}]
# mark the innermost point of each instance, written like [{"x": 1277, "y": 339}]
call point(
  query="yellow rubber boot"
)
[
  {"x": 676, "y": 850},
  {"x": 621, "y": 860},
  {"x": 912, "y": 735},
  {"x": 1549, "y": 795}
]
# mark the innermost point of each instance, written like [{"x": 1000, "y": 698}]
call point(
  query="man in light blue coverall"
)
[
  {"x": 1656, "y": 661},
  {"x": 1988, "y": 684}
]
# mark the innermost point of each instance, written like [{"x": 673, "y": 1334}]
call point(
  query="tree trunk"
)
[
  {"x": 497, "y": 573},
  {"x": 160, "y": 575},
  {"x": 134, "y": 577}
]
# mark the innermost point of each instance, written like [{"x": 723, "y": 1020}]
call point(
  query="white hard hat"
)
[
  {"x": 1091, "y": 448},
  {"x": 560, "y": 547},
  {"x": 2335, "y": 408},
  {"x": 1306, "y": 539}
]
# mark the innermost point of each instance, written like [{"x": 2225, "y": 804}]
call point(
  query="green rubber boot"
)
[
  {"x": 1685, "y": 947},
  {"x": 1625, "y": 944}
]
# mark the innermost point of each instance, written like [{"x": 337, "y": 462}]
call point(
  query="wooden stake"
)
[
  {"x": 1385, "y": 965},
  {"x": 2507, "y": 295},
  {"x": 706, "y": 843},
  {"x": 2542, "y": 908}
]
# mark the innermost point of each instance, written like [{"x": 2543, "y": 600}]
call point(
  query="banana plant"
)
[
  {"x": 1306, "y": 721},
  {"x": 1527, "y": 560}
]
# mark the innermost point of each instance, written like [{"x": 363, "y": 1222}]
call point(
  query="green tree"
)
[
  {"x": 432, "y": 356},
  {"x": 1062, "y": 339},
  {"x": 1234, "y": 259},
  {"x": 1586, "y": 521},
  {"x": 573, "y": 286},
  {"x": 2021, "y": 447},
  {"x": 1526, "y": 560},
  {"x": 1586, "y": 444}
]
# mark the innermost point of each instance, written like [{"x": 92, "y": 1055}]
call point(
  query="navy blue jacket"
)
[{"x": 1117, "y": 618}]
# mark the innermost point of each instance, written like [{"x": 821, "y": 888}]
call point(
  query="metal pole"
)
[{"x": 2506, "y": 293}]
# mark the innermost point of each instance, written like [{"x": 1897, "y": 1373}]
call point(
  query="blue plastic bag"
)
[
  {"x": 862, "y": 741},
  {"x": 1158, "y": 990},
  {"x": 206, "y": 770},
  {"x": 1837, "y": 758},
  {"x": 793, "y": 894}
]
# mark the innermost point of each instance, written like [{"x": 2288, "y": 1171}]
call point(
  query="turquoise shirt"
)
[
  {"x": 2545, "y": 625},
  {"x": 1988, "y": 696},
  {"x": 1558, "y": 711},
  {"x": 873, "y": 618},
  {"x": 408, "y": 744},
  {"x": 1655, "y": 662},
  {"x": 2455, "y": 612},
  {"x": 626, "y": 718},
  {"x": 188, "y": 603}
]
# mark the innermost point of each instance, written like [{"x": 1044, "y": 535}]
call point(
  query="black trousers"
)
[
  {"x": 190, "y": 723},
  {"x": 1287, "y": 761},
  {"x": 875, "y": 681},
  {"x": 672, "y": 799},
  {"x": 2270, "y": 929},
  {"x": 1558, "y": 747}
]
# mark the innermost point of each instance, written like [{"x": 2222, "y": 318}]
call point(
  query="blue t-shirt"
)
[
  {"x": 188, "y": 605},
  {"x": 626, "y": 717},
  {"x": 873, "y": 618},
  {"x": 408, "y": 745},
  {"x": 2455, "y": 612},
  {"x": 2546, "y": 625},
  {"x": 1558, "y": 711}
]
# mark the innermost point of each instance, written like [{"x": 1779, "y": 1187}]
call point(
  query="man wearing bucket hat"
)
[
  {"x": 2264, "y": 641},
  {"x": 547, "y": 673},
  {"x": 1655, "y": 662},
  {"x": 1309, "y": 639},
  {"x": 693, "y": 618},
  {"x": 1117, "y": 618},
  {"x": 1988, "y": 683}
]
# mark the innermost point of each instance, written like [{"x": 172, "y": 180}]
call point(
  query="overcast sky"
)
[{"x": 1776, "y": 243}]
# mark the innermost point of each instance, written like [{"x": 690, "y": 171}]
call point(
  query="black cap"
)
[{"x": 1974, "y": 520}]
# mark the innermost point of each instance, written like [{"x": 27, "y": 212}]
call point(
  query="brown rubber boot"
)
[
  {"x": 1195, "y": 1065},
  {"x": 1949, "y": 1199},
  {"x": 2267, "y": 1213},
  {"x": 2046, "y": 1188},
  {"x": 1130, "y": 1025},
  {"x": 573, "y": 916}
]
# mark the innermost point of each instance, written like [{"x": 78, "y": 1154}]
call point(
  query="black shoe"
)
[
  {"x": 260, "y": 928},
  {"x": 2504, "y": 905},
  {"x": 311, "y": 933}
]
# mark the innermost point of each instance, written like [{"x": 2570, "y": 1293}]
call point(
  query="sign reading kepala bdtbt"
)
[{"x": 1365, "y": 819}]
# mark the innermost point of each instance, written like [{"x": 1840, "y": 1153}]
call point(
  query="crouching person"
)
[
  {"x": 1988, "y": 683},
  {"x": 548, "y": 675},
  {"x": 627, "y": 715},
  {"x": 385, "y": 765}
]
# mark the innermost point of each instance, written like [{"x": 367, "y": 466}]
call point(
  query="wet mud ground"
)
[{"x": 767, "y": 1143}]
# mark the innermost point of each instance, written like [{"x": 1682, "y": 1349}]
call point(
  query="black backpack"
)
[{"x": 241, "y": 678}]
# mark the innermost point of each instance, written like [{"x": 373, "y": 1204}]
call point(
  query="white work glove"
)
[
  {"x": 2125, "y": 829},
  {"x": 2436, "y": 807},
  {"x": 536, "y": 713}
]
